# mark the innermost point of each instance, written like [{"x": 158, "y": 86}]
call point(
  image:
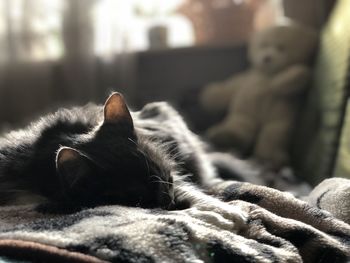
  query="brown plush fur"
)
[{"x": 262, "y": 102}]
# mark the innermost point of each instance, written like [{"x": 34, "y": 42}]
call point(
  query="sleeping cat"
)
[
  {"x": 83, "y": 155},
  {"x": 96, "y": 155}
]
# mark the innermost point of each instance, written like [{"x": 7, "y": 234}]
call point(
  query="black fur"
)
[
  {"x": 120, "y": 166},
  {"x": 142, "y": 158}
]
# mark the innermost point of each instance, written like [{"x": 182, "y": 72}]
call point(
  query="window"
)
[{"x": 45, "y": 30}]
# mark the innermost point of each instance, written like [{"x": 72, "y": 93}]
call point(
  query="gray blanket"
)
[{"x": 280, "y": 228}]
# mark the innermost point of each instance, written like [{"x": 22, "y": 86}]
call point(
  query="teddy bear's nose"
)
[{"x": 267, "y": 60}]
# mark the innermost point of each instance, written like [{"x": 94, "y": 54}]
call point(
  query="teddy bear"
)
[{"x": 262, "y": 102}]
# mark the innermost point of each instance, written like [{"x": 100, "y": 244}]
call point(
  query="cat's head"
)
[{"x": 115, "y": 164}]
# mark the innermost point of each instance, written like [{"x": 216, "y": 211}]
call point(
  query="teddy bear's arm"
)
[
  {"x": 291, "y": 81},
  {"x": 217, "y": 96}
]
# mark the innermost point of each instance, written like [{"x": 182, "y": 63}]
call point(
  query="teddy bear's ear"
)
[{"x": 116, "y": 111}]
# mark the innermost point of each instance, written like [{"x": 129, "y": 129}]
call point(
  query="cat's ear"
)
[
  {"x": 71, "y": 165},
  {"x": 116, "y": 111}
]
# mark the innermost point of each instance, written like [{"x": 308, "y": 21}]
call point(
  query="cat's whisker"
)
[
  {"x": 160, "y": 180},
  {"x": 168, "y": 183},
  {"x": 131, "y": 140},
  {"x": 146, "y": 161}
]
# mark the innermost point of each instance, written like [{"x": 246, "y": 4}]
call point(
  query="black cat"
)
[
  {"x": 87, "y": 155},
  {"x": 96, "y": 155}
]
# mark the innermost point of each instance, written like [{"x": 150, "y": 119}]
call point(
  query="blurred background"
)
[
  {"x": 74, "y": 51},
  {"x": 63, "y": 52}
]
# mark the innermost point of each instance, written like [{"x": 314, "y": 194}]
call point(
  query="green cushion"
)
[
  {"x": 342, "y": 165},
  {"x": 321, "y": 121}
]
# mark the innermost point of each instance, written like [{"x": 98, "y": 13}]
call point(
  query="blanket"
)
[
  {"x": 279, "y": 228},
  {"x": 333, "y": 195}
]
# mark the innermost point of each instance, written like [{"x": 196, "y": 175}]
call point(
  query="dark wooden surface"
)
[{"x": 175, "y": 73}]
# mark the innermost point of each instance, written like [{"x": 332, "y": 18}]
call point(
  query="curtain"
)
[{"x": 56, "y": 52}]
